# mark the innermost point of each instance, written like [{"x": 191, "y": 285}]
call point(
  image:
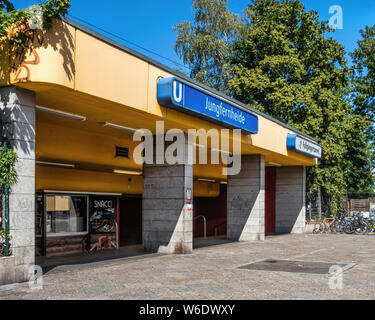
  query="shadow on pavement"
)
[
  {"x": 89, "y": 259},
  {"x": 210, "y": 241}
]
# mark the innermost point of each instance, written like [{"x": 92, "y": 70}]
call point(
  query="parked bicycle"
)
[
  {"x": 370, "y": 224},
  {"x": 356, "y": 224},
  {"x": 323, "y": 226}
]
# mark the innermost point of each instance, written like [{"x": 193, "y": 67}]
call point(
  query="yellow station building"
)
[{"x": 70, "y": 111}]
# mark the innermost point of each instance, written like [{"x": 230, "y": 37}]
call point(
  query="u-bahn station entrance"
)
[{"x": 71, "y": 110}]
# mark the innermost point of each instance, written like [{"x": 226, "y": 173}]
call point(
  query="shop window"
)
[{"x": 66, "y": 214}]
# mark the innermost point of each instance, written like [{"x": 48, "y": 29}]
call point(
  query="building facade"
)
[{"x": 70, "y": 112}]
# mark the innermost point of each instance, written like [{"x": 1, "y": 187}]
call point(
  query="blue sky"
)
[{"x": 149, "y": 23}]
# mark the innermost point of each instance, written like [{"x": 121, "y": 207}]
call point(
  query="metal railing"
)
[{"x": 204, "y": 225}]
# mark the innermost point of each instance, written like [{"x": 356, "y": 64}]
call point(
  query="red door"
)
[{"x": 270, "y": 199}]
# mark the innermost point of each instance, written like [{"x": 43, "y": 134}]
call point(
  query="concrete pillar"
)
[
  {"x": 245, "y": 200},
  {"x": 290, "y": 199},
  {"x": 167, "y": 220},
  {"x": 17, "y": 107}
]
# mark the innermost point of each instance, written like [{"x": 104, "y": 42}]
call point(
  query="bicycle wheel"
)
[
  {"x": 361, "y": 229},
  {"x": 327, "y": 227},
  {"x": 336, "y": 227},
  {"x": 318, "y": 228},
  {"x": 348, "y": 229}
]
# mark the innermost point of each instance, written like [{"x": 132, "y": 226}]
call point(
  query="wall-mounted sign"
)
[
  {"x": 103, "y": 214},
  {"x": 189, "y": 194},
  {"x": 179, "y": 95},
  {"x": 299, "y": 144}
]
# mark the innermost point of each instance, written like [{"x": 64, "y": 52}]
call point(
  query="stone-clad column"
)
[
  {"x": 167, "y": 215},
  {"x": 290, "y": 199},
  {"x": 17, "y": 107},
  {"x": 245, "y": 200}
]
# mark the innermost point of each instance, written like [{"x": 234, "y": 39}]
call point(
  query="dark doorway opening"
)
[
  {"x": 214, "y": 210},
  {"x": 270, "y": 200},
  {"x": 130, "y": 220}
]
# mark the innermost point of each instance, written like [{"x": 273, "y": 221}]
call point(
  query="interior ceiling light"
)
[
  {"x": 61, "y": 113},
  {"x": 274, "y": 164},
  {"x": 134, "y": 173},
  {"x": 83, "y": 192},
  {"x": 206, "y": 180},
  {"x": 117, "y": 126},
  {"x": 222, "y": 151},
  {"x": 55, "y": 164}
]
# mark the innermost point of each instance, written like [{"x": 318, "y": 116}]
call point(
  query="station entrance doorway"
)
[
  {"x": 210, "y": 216},
  {"x": 130, "y": 220}
]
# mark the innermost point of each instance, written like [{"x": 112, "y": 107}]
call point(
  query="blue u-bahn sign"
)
[
  {"x": 302, "y": 145},
  {"x": 181, "y": 96}
]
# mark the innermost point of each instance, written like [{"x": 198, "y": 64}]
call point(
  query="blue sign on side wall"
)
[
  {"x": 179, "y": 95},
  {"x": 302, "y": 145}
]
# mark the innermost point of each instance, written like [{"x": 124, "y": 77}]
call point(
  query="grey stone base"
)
[
  {"x": 167, "y": 222},
  {"x": 11, "y": 273},
  {"x": 17, "y": 111},
  {"x": 245, "y": 201}
]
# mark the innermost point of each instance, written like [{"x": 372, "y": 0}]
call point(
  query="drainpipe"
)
[
  {"x": 310, "y": 207},
  {"x": 6, "y": 196},
  {"x": 319, "y": 204}
]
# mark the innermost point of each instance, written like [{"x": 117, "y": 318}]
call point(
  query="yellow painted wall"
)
[
  {"x": 71, "y": 145},
  {"x": 206, "y": 189},
  {"x": 4, "y": 65},
  {"x": 110, "y": 74},
  {"x": 61, "y": 179},
  {"x": 85, "y": 149},
  {"x": 56, "y": 60}
]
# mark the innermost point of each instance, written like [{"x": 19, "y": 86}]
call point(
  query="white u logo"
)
[{"x": 179, "y": 97}]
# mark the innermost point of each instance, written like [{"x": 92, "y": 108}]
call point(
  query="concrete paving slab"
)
[{"x": 210, "y": 273}]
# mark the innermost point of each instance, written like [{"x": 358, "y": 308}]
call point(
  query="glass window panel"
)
[{"x": 66, "y": 214}]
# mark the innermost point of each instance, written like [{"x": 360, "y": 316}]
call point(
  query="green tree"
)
[
  {"x": 204, "y": 44},
  {"x": 364, "y": 73},
  {"x": 6, "y": 5},
  {"x": 287, "y": 63},
  {"x": 363, "y": 90},
  {"x": 282, "y": 61},
  {"x": 8, "y": 158}
]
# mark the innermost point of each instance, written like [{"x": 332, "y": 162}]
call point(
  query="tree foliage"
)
[
  {"x": 8, "y": 158},
  {"x": 6, "y": 5},
  {"x": 364, "y": 73},
  {"x": 363, "y": 87},
  {"x": 284, "y": 62},
  {"x": 15, "y": 30},
  {"x": 204, "y": 43},
  {"x": 294, "y": 71}
]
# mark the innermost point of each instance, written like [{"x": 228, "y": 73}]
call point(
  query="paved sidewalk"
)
[{"x": 210, "y": 273}]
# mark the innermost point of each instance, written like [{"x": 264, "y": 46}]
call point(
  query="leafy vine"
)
[{"x": 19, "y": 28}]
